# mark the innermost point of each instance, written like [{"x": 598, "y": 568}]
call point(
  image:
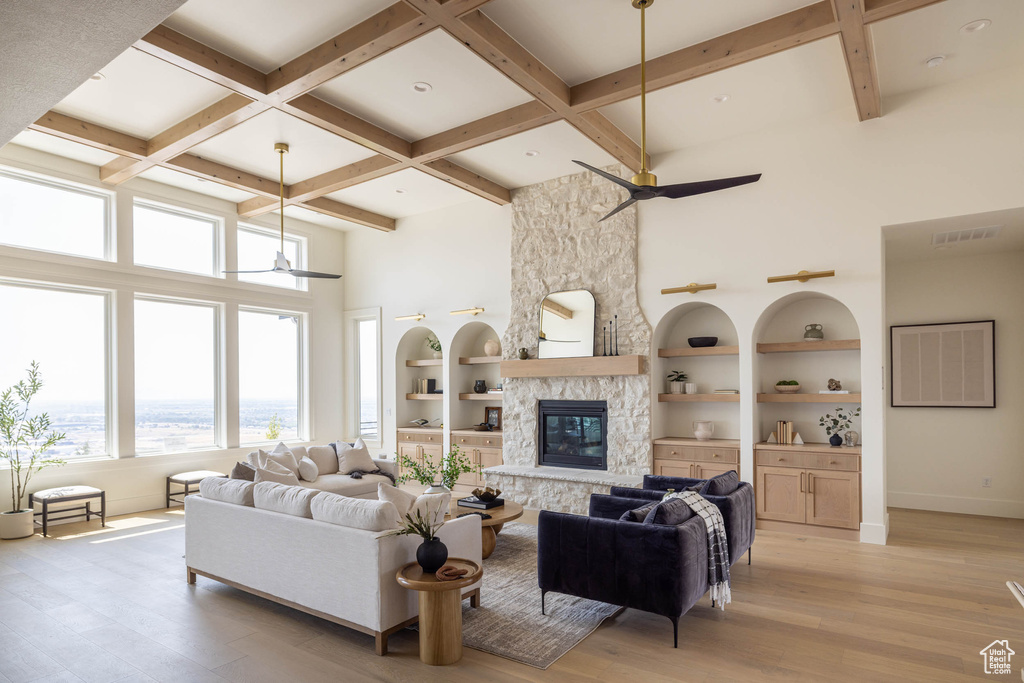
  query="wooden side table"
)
[{"x": 440, "y": 609}]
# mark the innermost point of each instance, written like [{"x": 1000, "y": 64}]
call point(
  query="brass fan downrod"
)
[
  {"x": 644, "y": 177},
  {"x": 281, "y": 148}
]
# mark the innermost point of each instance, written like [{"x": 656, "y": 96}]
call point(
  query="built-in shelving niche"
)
[
  {"x": 414, "y": 360},
  {"x": 710, "y": 368},
  {"x": 469, "y": 363}
]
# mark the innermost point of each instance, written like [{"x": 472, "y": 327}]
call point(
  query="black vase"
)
[
  {"x": 480, "y": 386},
  {"x": 835, "y": 440},
  {"x": 432, "y": 555}
]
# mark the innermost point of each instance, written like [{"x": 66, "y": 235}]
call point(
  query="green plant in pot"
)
[
  {"x": 443, "y": 474},
  {"x": 835, "y": 424},
  {"x": 676, "y": 382},
  {"x": 434, "y": 345},
  {"x": 24, "y": 443}
]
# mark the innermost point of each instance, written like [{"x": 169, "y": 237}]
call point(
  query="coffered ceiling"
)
[{"x": 200, "y": 101}]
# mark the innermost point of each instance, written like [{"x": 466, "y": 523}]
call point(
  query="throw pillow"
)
[
  {"x": 288, "y": 500},
  {"x": 325, "y": 458},
  {"x": 243, "y": 470},
  {"x": 359, "y": 513},
  {"x": 637, "y": 515},
  {"x": 670, "y": 513},
  {"x": 402, "y": 500},
  {"x": 433, "y": 507},
  {"x": 283, "y": 455},
  {"x": 308, "y": 471},
  {"x": 236, "y": 491},
  {"x": 257, "y": 458},
  {"x": 722, "y": 485},
  {"x": 276, "y": 472},
  {"x": 355, "y": 457}
]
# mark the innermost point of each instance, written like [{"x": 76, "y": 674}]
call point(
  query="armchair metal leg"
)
[
  {"x": 542, "y": 593},
  {"x": 749, "y": 551},
  {"x": 675, "y": 632}
]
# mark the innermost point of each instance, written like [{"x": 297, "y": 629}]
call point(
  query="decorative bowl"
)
[
  {"x": 787, "y": 388},
  {"x": 486, "y": 495},
  {"x": 699, "y": 342}
]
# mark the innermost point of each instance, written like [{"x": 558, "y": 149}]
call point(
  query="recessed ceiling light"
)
[
  {"x": 720, "y": 98},
  {"x": 400, "y": 191},
  {"x": 935, "y": 61},
  {"x": 98, "y": 76},
  {"x": 532, "y": 153},
  {"x": 422, "y": 87},
  {"x": 975, "y": 26}
]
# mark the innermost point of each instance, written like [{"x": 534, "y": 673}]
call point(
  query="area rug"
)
[{"x": 509, "y": 623}]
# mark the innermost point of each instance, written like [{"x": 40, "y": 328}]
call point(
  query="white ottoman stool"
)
[
  {"x": 187, "y": 480},
  {"x": 69, "y": 494}
]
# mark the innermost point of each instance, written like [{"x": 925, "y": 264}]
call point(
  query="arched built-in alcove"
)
[
  {"x": 468, "y": 363},
  {"x": 414, "y": 361}
]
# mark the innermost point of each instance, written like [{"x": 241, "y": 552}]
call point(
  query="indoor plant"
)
[
  {"x": 676, "y": 380},
  {"x": 834, "y": 424},
  {"x": 445, "y": 473},
  {"x": 432, "y": 553},
  {"x": 24, "y": 442},
  {"x": 434, "y": 345},
  {"x": 787, "y": 386}
]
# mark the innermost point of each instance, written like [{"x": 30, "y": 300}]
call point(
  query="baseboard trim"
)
[
  {"x": 876, "y": 534},
  {"x": 957, "y": 504}
]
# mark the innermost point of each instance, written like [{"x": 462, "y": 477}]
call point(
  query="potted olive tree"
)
[{"x": 24, "y": 443}]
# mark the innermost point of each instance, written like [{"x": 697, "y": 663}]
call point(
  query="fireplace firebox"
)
[{"x": 573, "y": 434}]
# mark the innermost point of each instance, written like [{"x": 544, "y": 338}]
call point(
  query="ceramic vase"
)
[
  {"x": 835, "y": 440},
  {"x": 492, "y": 347},
  {"x": 850, "y": 438},
  {"x": 431, "y": 555},
  {"x": 813, "y": 332},
  {"x": 703, "y": 429},
  {"x": 676, "y": 387},
  {"x": 480, "y": 386},
  {"x": 18, "y": 524}
]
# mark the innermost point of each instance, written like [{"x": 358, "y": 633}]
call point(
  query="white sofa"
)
[
  {"x": 339, "y": 573},
  {"x": 345, "y": 485}
]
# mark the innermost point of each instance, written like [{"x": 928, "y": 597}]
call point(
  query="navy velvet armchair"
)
[{"x": 657, "y": 568}]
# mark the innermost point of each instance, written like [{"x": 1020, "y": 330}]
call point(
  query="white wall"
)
[
  {"x": 937, "y": 457},
  {"x": 829, "y": 185},
  {"x": 137, "y": 483}
]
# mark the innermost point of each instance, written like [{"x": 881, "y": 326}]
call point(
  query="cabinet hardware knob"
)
[
  {"x": 782, "y": 460},
  {"x": 674, "y": 453},
  {"x": 714, "y": 455},
  {"x": 832, "y": 462}
]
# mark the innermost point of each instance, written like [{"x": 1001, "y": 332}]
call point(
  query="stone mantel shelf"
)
[
  {"x": 567, "y": 474},
  {"x": 590, "y": 366}
]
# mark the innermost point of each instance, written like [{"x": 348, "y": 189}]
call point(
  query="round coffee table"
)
[
  {"x": 440, "y": 609},
  {"x": 490, "y": 528}
]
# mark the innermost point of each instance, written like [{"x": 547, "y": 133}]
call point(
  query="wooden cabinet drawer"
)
[
  {"x": 485, "y": 441},
  {"x": 418, "y": 437},
  {"x": 830, "y": 461},
  {"x": 778, "y": 459},
  {"x": 696, "y": 453},
  {"x": 674, "y": 468}
]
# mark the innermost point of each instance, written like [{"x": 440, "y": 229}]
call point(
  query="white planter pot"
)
[
  {"x": 16, "y": 524},
  {"x": 676, "y": 387}
]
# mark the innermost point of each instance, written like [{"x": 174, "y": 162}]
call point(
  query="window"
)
[
  {"x": 269, "y": 376},
  {"x": 51, "y": 216},
  {"x": 367, "y": 385},
  {"x": 65, "y": 331},
  {"x": 175, "y": 240},
  {"x": 257, "y": 249},
  {"x": 175, "y": 376}
]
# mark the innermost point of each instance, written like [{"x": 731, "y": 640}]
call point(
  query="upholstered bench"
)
[
  {"x": 69, "y": 494},
  {"x": 188, "y": 480}
]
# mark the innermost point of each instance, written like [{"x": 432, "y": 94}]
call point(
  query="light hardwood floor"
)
[{"x": 113, "y": 605}]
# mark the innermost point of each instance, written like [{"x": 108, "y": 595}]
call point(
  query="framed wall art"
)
[{"x": 943, "y": 365}]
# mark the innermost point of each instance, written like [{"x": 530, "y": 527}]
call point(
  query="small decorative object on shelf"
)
[
  {"x": 434, "y": 345},
  {"x": 492, "y": 416},
  {"x": 480, "y": 386},
  {"x": 835, "y": 385},
  {"x": 813, "y": 332},
  {"x": 616, "y": 335},
  {"x": 676, "y": 382},
  {"x": 701, "y": 342},
  {"x": 690, "y": 388},
  {"x": 850, "y": 438},
  {"x": 834, "y": 424},
  {"x": 787, "y": 386},
  {"x": 703, "y": 429},
  {"x": 486, "y": 494},
  {"x": 524, "y": 354},
  {"x": 492, "y": 348},
  {"x": 450, "y": 573}
]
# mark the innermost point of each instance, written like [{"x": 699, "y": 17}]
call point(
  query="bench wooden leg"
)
[
  {"x": 474, "y": 599},
  {"x": 191, "y": 576},
  {"x": 380, "y": 643},
  {"x": 45, "y": 513},
  {"x": 103, "y": 509}
]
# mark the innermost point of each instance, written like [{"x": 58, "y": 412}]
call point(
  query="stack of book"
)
[
  {"x": 494, "y": 391},
  {"x": 424, "y": 386},
  {"x": 784, "y": 431},
  {"x": 727, "y": 391}
]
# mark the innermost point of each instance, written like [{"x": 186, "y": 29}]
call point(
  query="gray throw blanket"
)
[
  {"x": 358, "y": 474},
  {"x": 718, "y": 544}
]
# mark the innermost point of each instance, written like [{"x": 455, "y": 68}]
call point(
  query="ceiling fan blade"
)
[
  {"x": 249, "y": 271},
  {"x": 704, "y": 186},
  {"x": 624, "y": 205},
  {"x": 310, "y": 273},
  {"x": 604, "y": 174}
]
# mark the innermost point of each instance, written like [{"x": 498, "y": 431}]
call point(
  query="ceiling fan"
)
[
  {"x": 281, "y": 264},
  {"x": 644, "y": 185}
]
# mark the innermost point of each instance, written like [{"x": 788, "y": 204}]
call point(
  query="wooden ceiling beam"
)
[
  {"x": 467, "y": 180},
  {"x": 488, "y": 129},
  {"x": 90, "y": 134},
  {"x": 877, "y": 10},
  {"x": 202, "y": 60},
  {"x": 390, "y": 28},
  {"x": 860, "y": 57},
  {"x": 225, "y": 175},
  {"x": 329, "y": 207},
  {"x": 459, "y": 7},
  {"x": 783, "y": 32},
  {"x": 338, "y": 121}
]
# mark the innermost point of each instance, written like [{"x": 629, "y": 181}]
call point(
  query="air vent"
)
[{"x": 959, "y": 236}]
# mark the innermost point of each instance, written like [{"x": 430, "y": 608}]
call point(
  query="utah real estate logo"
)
[{"x": 997, "y": 657}]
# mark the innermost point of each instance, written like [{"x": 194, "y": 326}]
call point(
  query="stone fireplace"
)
[
  {"x": 573, "y": 434},
  {"x": 557, "y": 245}
]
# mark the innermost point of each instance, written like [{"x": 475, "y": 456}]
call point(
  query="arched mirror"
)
[{"x": 567, "y": 325}]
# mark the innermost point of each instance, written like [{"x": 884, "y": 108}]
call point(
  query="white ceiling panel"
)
[
  {"x": 185, "y": 181},
  {"x": 580, "y": 44},
  {"x": 249, "y": 146},
  {"x": 913, "y": 241},
  {"x": 62, "y": 148},
  {"x": 557, "y": 144},
  {"x": 420, "y": 193},
  {"x": 790, "y": 85},
  {"x": 317, "y": 218},
  {"x": 141, "y": 95},
  {"x": 267, "y": 33},
  {"x": 464, "y": 88},
  {"x": 903, "y": 44}
]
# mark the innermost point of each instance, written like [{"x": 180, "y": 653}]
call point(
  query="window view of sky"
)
[
  {"x": 268, "y": 374},
  {"x": 175, "y": 241},
  {"x": 257, "y": 251},
  {"x": 40, "y": 216},
  {"x": 368, "y": 418}
]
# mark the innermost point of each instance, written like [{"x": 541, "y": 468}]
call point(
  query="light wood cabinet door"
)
[
  {"x": 431, "y": 454},
  {"x": 833, "y": 499},
  {"x": 780, "y": 494},
  {"x": 470, "y": 479},
  {"x": 706, "y": 470},
  {"x": 411, "y": 451},
  {"x": 674, "y": 468},
  {"x": 488, "y": 457}
]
